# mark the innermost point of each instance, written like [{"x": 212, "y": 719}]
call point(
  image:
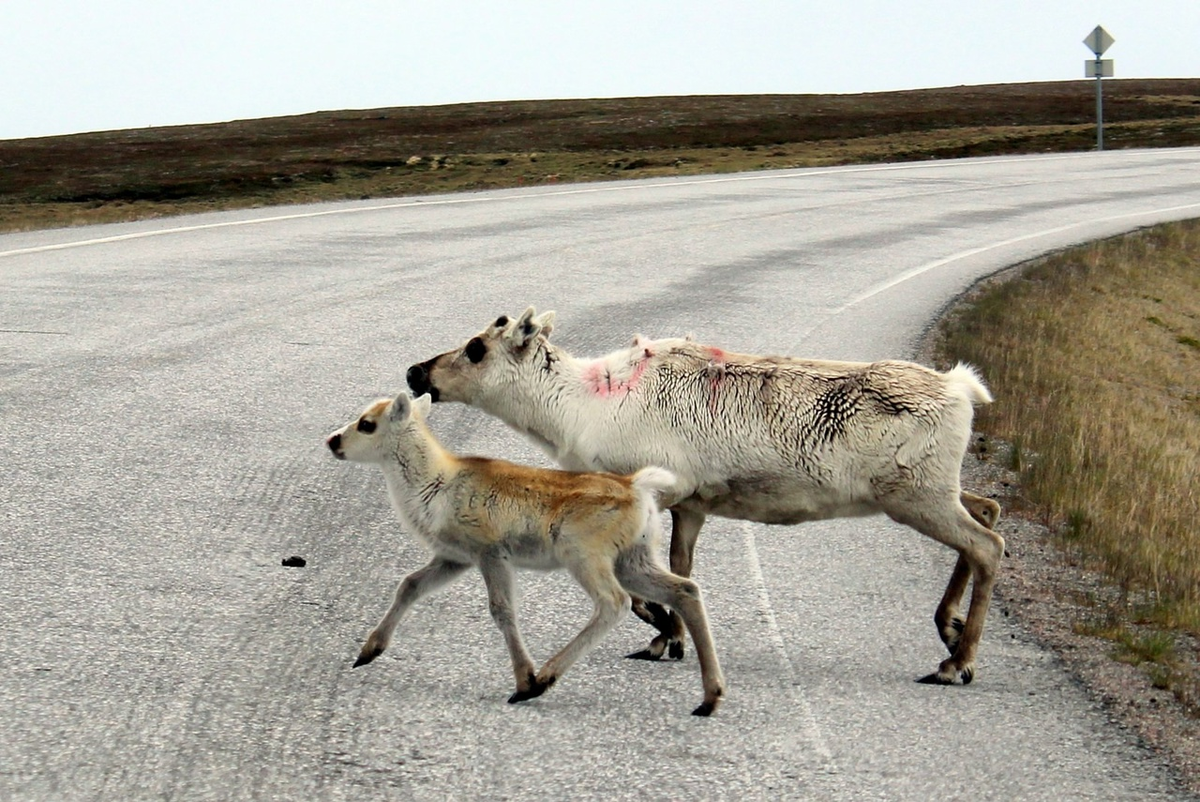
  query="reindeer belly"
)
[{"x": 773, "y": 501}]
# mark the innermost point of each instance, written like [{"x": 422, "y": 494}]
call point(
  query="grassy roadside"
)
[
  {"x": 126, "y": 175},
  {"x": 1095, "y": 356}
]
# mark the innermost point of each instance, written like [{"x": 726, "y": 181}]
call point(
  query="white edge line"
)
[{"x": 954, "y": 257}]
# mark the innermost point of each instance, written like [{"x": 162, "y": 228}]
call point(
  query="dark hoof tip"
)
[
  {"x": 366, "y": 657},
  {"x": 644, "y": 654},
  {"x": 294, "y": 561},
  {"x": 705, "y": 709},
  {"x": 968, "y": 675},
  {"x": 675, "y": 650},
  {"x": 534, "y": 690},
  {"x": 934, "y": 679}
]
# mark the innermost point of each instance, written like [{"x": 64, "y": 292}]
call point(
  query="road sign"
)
[{"x": 1098, "y": 41}]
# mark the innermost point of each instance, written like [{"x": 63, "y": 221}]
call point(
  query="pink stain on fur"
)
[{"x": 600, "y": 381}]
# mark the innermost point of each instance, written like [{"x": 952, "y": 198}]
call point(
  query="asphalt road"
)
[{"x": 164, "y": 391}]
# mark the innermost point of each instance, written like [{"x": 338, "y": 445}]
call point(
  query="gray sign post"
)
[{"x": 1098, "y": 41}]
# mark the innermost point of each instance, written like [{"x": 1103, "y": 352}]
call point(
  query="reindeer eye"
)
[
  {"x": 365, "y": 426},
  {"x": 476, "y": 350}
]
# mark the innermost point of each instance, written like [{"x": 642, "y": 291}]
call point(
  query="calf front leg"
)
[
  {"x": 611, "y": 602},
  {"x": 437, "y": 574},
  {"x": 685, "y": 529},
  {"x": 502, "y": 604}
]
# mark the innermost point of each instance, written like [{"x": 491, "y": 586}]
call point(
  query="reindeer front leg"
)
[
  {"x": 437, "y": 574},
  {"x": 502, "y": 604}
]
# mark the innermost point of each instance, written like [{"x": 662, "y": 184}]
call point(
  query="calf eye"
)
[
  {"x": 365, "y": 426},
  {"x": 476, "y": 350}
]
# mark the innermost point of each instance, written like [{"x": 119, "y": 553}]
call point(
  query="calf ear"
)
[
  {"x": 401, "y": 408},
  {"x": 422, "y": 403},
  {"x": 528, "y": 327}
]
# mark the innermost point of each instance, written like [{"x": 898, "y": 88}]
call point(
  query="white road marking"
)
[
  {"x": 954, "y": 257},
  {"x": 810, "y": 729}
]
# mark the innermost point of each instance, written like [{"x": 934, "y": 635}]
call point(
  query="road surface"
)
[{"x": 165, "y": 388}]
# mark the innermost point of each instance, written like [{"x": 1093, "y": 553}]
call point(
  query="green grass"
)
[{"x": 1098, "y": 382}]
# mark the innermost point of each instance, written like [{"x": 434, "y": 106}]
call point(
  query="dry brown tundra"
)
[
  {"x": 602, "y": 528},
  {"x": 773, "y": 439}
]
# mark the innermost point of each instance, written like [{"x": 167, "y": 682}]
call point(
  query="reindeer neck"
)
[
  {"x": 417, "y": 464},
  {"x": 559, "y": 390}
]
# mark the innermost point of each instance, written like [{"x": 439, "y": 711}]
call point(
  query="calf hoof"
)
[
  {"x": 366, "y": 656},
  {"x": 705, "y": 709},
  {"x": 536, "y": 688}
]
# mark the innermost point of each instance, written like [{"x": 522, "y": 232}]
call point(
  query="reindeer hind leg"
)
[{"x": 685, "y": 529}]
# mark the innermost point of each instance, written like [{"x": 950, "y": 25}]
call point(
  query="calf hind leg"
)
[
  {"x": 498, "y": 577},
  {"x": 611, "y": 603},
  {"x": 641, "y": 575}
]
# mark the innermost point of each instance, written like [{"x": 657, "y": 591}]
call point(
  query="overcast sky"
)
[{"x": 73, "y": 65}]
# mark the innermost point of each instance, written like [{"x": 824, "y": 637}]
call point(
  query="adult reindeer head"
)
[{"x": 503, "y": 353}]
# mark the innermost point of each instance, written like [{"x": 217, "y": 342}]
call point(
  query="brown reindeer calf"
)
[{"x": 603, "y": 528}]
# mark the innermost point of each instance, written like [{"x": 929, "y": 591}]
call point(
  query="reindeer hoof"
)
[
  {"x": 536, "y": 688},
  {"x": 366, "y": 657},
  {"x": 947, "y": 675},
  {"x": 705, "y": 709},
  {"x": 645, "y": 654},
  {"x": 657, "y": 648},
  {"x": 935, "y": 679}
]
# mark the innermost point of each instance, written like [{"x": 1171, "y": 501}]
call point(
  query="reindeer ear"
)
[
  {"x": 423, "y": 403},
  {"x": 401, "y": 408},
  {"x": 500, "y": 324},
  {"x": 528, "y": 327},
  {"x": 546, "y": 321}
]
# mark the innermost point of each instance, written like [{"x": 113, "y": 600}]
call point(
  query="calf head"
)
[
  {"x": 378, "y": 431},
  {"x": 492, "y": 359}
]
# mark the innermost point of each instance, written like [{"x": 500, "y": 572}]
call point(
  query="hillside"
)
[{"x": 131, "y": 174}]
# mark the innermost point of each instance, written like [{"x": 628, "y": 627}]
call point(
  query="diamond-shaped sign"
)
[{"x": 1099, "y": 40}]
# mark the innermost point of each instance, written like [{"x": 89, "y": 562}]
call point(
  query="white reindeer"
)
[
  {"x": 493, "y": 514},
  {"x": 763, "y": 438}
]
